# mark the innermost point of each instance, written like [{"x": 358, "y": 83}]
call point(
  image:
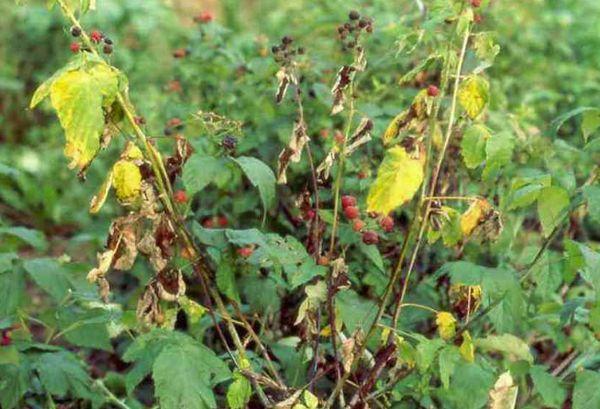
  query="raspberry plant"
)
[{"x": 396, "y": 263}]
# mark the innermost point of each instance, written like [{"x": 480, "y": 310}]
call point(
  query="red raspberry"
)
[
  {"x": 477, "y": 18},
  {"x": 348, "y": 200},
  {"x": 75, "y": 47},
  {"x": 5, "y": 340},
  {"x": 180, "y": 196},
  {"x": 139, "y": 120},
  {"x": 362, "y": 174},
  {"x": 324, "y": 133},
  {"x": 173, "y": 122},
  {"x": 433, "y": 91},
  {"x": 180, "y": 53},
  {"x": 245, "y": 252},
  {"x": 175, "y": 86},
  {"x": 358, "y": 225},
  {"x": 222, "y": 221},
  {"x": 96, "y": 36},
  {"x": 309, "y": 214},
  {"x": 351, "y": 212},
  {"x": 475, "y": 3},
  {"x": 370, "y": 237},
  {"x": 204, "y": 17},
  {"x": 339, "y": 137},
  {"x": 387, "y": 224},
  {"x": 208, "y": 223}
]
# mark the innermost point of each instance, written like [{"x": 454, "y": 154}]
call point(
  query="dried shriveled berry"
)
[
  {"x": 229, "y": 142},
  {"x": 107, "y": 49},
  {"x": 348, "y": 200},
  {"x": 351, "y": 212},
  {"x": 287, "y": 40},
  {"x": 354, "y": 15},
  {"x": 370, "y": 237},
  {"x": 75, "y": 31}
]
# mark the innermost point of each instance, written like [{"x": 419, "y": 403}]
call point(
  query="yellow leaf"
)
[
  {"x": 132, "y": 152},
  {"x": 394, "y": 127},
  {"x": 127, "y": 180},
  {"x": 473, "y": 95},
  {"x": 99, "y": 198},
  {"x": 504, "y": 394},
  {"x": 467, "y": 349},
  {"x": 398, "y": 179},
  {"x": 446, "y": 324},
  {"x": 474, "y": 216},
  {"x": 78, "y": 98}
]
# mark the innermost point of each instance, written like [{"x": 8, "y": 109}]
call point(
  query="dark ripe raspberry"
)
[
  {"x": 168, "y": 131},
  {"x": 96, "y": 36},
  {"x": 354, "y": 15},
  {"x": 362, "y": 174},
  {"x": 341, "y": 29},
  {"x": 370, "y": 237},
  {"x": 275, "y": 49},
  {"x": 348, "y": 200},
  {"x": 358, "y": 225},
  {"x": 245, "y": 252},
  {"x": 387, "y": 224},
  {"x": 363, "y": 23},
  {"x": 323, "y": 261},
  {"x": 107, "y": 49},
  {"x": 433, "y": 91},
  {"x": 208, "y": 223},
  {"x": 180, "y": 196},
  {"x": 229, "y": 142},
  {"x": 351, "y": 212},
  {"x": 222, "y": 221},
  {"x": 75, "y": 31},
  {"x": 475, "y": 3},
  {"x": 370, "y": 28},
  {"x": 369, "y": 125},
  {"x": 108, "y": 41},
  {"x": 75, "y": 47},
  {"x": 301, "y": 50},
  {"x": 5, "y": 340},
  {"x": 287, "y": 40}
]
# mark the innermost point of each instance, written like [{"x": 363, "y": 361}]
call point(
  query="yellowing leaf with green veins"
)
[
  {"x": 127, "y": 180},
  {"x": 446, "y": 324},
  {"x": 467, "y": 348},
  {"x": 78, "y": 98},
  {"x": 394, "y": 127},
  {"x": 473, "y": 95},
  {"x": 398, "y": 179}
]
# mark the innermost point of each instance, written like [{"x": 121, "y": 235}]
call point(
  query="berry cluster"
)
[
  {"x": 284, "y": 52},
  {"x": 215, "y": 221},
  {"x": 352, "y": 212},
  {"x": 96, "y": 37},
  {"x": 349, "y": 32}
]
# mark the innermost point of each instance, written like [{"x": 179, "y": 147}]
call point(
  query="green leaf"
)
[
  {"x": 473, "y": 95},
  {"x": 427, "y": 350},
  {"x": 239, "y": 392},
  {"x": 79, "y": 98},
  {"x": 448, "y": 358},
  {"x": 199, "y": 171},
  {"x": 498, "y": 153},
  {"x": 225, "y": 277},
  {"x": 469, "y": 386},
  {"x": 473, "y": 145},
  {"x": 398, "y": 179},
  {"x": 590, "y": 123},
  {"x": 525, "y": 190},
  {"x": 586, "y": 394},
  {"x": 553, "y": 394},
  {"x": 262, "y": 177},
  {"x": 88, "y": 325},
  {"x": 12, "y": 284},
  {"x": 585, "y": 260},
  {"x": 592, "y": 196},
  {"x": 34, "y": 238},
  {"x": 49, "y": 275},
  {"x": 14, "y": 382},
  {"x": 553, "y": 203},
  {"x": 507, "y": 343},
  {"x": 560, "y": 120},
  {"x": 355, "y": 311},
  {"x": 61, "y": 373},
  {"x": 184, "y": 373}
]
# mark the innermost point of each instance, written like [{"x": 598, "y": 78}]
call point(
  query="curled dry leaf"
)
[
  {"x": 343, "y": 79},
  {"x": 481, "y": 219},
  {"x": 348, "y": 353},
  {"x": 413, "y": 119},
  {"x": 446, "y": 324},
  {"x": 292, "y": 152},
  {"x": 285, "y": 77}
]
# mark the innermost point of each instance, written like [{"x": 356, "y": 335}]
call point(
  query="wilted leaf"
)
[
  {"x": 398, "y": 179},
  {"x": 476, "y": 214},
  {"x": 504, "y": 393},
  {"x": 446, "y": 325},
  {"x": 467, "y": 349},
  {"x": 514, "y": 347},
  {"x": 127, "y": 180}
]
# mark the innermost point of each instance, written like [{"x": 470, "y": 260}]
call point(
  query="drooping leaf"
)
[
  {"x": 78, "y": 98},
  {"x": 34, "y": 238},
  {"x": 473, "y": 95},
  {"x": 261, "y": 176},
  {"x": 398, "y": 179}
]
